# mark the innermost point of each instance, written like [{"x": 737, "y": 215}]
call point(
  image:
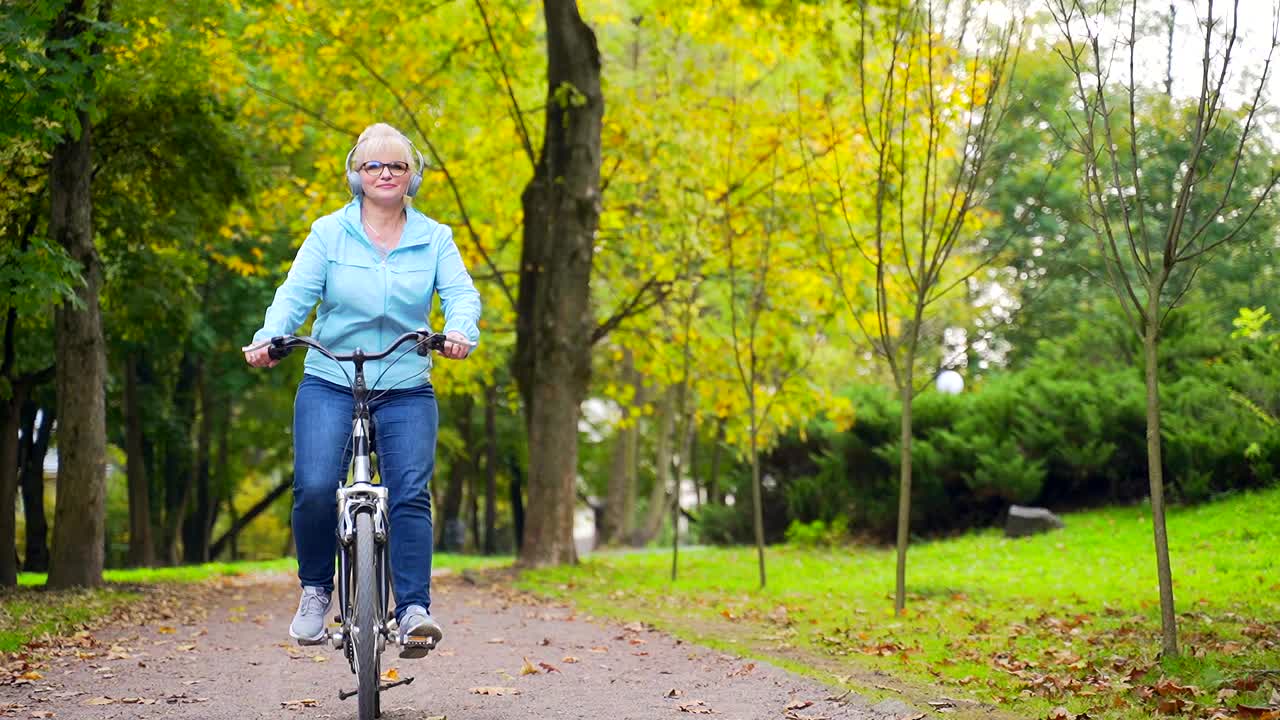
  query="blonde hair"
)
[{"x": 381, "y": 138}]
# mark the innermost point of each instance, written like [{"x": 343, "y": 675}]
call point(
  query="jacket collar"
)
[{"x": 418, "y": 228}]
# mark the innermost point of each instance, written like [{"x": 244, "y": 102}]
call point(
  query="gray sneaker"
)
[
  {"x": 308, "y": 626},
  {"x": 419, "y": 633}
]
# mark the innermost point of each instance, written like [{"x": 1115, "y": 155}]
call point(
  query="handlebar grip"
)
[
  {"x": 429, "y": 343},
  {"x": 278, "y": 353}
]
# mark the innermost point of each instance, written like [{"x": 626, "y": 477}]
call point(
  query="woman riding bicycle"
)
[{"x": 373, "y": 266}]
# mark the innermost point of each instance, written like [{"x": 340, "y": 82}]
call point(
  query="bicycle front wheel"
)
[{"x": 366, "y": 619}]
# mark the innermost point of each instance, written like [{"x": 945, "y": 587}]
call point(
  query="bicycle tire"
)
[{"x": 366, "y": 619}]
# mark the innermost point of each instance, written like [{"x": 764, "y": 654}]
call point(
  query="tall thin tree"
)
[
  {"x": 1157, "y": 223},
  {"x": 933, "y": 83}
]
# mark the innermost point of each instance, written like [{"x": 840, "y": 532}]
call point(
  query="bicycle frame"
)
[{"x": 361, "y": 495}]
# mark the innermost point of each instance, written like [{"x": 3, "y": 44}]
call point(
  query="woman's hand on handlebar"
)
[
  {"x": 456, "y": 346},
  {"x": 259, "y": 357}
]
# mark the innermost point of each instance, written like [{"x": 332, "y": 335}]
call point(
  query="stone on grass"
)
[{"x": 1024, "y": 521}]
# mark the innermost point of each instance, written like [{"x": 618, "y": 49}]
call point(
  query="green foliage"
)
[
  {"x": 1059, "y": 431},
  {"x": 818, "y": 533}
]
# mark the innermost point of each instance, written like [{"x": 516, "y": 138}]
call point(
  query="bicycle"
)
[{"x": 364, "y": 577}]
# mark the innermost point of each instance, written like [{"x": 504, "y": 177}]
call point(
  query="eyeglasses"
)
[{"x": 374, "y": 168}]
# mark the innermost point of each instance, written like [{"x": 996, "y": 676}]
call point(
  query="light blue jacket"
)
[{"x": 367, "y": 301}]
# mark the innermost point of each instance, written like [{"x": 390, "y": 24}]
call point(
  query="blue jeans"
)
[{"x": 405, "y": 422}]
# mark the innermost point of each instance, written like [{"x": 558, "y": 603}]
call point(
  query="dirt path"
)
[{"x": 223, "y": 654}]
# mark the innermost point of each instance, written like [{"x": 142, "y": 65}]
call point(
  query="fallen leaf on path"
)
[
  {"x": 496, "y": 641},
  {"x": 528, "y": 668},
  {"x": 299, "y": 704},
  {"x": 793, "y": 715},
  {"x": 391, "y": 675},
  {"x": 1169, "y": 688},
  {"x": 697, "y": 708},
  {"x": 98, "y": 701},
  {"x": 544, "y": 642},
  {"x": 798, "y": 704},
  {"x": 41, "y": 713},
  {"x": 494, "y": 691},
  {"x": 744, "y": 670},
  {"x": 600, "y": 649},
  {"x": 548, "y": 667},
  {"x": 569, "y": 659},
  {"x": 1172, "y": 705},
  {"x": 1258, "y": 713},
  {"x": 917, "y": 716},
  {"x": 186, "y": 648},
  {"x": 319, "y": 658}
]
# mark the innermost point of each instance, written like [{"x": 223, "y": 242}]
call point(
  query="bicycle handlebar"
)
[{"x": 281, "y": 345}]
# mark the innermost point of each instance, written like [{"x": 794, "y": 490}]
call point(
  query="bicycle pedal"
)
[{"x": 414, "y": 649}]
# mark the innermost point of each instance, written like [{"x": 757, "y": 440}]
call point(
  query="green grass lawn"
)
[
  {"x": 30, "y": 612},
  {"x": 1069, "y": 619}
]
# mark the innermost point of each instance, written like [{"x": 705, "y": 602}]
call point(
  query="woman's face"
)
[{"x": 385, "y": 178}]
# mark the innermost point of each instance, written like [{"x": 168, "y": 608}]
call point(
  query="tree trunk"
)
[
  {"x": 693, "y": 462},
  {"x": 196, "y": 527},
  {"x": 757, "y": 502},
  {"x": 904, "y": 488},
  {"x": 1155, "y": 474},
  {"x": 37, "y": 559},
  {"x": 620, "y": 497},
  {"x": 80, "y": 351},
  {"x": 490, "y": 469},
  {"x": 662, "y": 473},
  {"x": 554, "y": 323},
  {"x": 179, "y": 463},
  {"x": 452, "y": 535},
  {"x": 715, "y": 494},
  {"x": 10, "y": 422},
  {"x": 473, "y": 487},
  {"x": 517, "y": 502},
  {"x": 141, "y": 544}
]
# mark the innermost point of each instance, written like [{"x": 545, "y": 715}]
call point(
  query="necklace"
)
[{"x": 379, "y": 241}]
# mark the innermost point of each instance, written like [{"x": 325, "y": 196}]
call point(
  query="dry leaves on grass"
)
[{"x": 1253, "y": 712}]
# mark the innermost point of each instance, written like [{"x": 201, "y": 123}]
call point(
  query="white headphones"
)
[{"x": 353, "y": 174}]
